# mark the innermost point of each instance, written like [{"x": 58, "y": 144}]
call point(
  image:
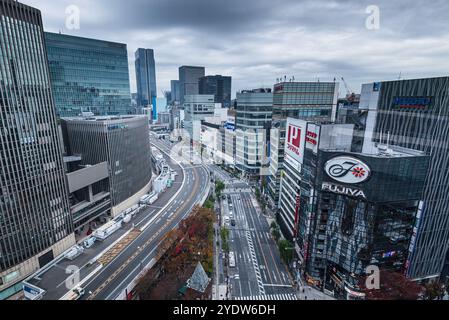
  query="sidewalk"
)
[{"x": 313, "y": 294}]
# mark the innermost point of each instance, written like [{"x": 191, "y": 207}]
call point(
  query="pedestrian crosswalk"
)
[
  {"x": 254, "y": 261},
  {"x": 270, "y": 297}
]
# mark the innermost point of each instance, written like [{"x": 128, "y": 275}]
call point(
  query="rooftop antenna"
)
[{"x": 400, "y": 76}]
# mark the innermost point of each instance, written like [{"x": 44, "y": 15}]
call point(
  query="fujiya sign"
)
[
  {"x": 347, "y": 170},
  {"x": 357, "y": 193}
]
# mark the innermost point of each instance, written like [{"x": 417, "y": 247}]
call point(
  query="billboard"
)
[
  {"x": 313, "y": 137},
  {"x": 295, "y": 139}
]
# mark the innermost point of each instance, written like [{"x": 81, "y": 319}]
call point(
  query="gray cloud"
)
[{"x": 257, "y": 41}]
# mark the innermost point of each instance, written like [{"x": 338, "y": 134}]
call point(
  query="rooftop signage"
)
[
  {"x": 417, "y": 103},
  {"x": 347, "y": 170}
]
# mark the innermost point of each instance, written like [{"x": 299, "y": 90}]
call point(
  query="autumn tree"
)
[{"x": 393, "y": 286}]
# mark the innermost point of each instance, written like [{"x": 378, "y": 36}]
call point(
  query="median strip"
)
[{"x": 119, "y": 247}]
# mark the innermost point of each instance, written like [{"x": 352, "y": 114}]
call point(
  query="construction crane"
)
[
  {"x": 348, "y": 89},
  {"x": 351, "y": 96}
]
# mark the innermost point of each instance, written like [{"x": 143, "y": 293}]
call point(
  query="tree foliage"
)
[
  {"x": 224, "y": 232},
  {"x": 434, "y": 291},
  {"x": 393, "y": 286},
  {"x": 219, "y": 187},
  {"x": 286, "y": 251}
]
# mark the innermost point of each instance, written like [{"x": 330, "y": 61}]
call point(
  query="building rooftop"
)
[
  {"x": 106, "y": 119},
  {"x": 386, "y": 151}
]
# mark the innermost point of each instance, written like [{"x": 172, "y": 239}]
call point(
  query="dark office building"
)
[
  {"x": 146, "y": 79},
  {"x": 88, "y": 75},
  {"x": 415, "y": 114},
  {"x": 189, "y": 81},
  {"x": 357, "y": 210},
  {"x": 219, "y": 86},
  {"x": 175, "y": 92},
  {"x": 35, "y": 220},
  {"x": 123, "y": 143}
]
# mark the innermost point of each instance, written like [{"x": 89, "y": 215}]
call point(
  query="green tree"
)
[
  {"x": 257, "y": 194},
  {"x": 286, "y": 250},
  {"x": 219, "y": 187},
  {"x": 224, "y": 239},
  {"x": 276, "y": 234}
]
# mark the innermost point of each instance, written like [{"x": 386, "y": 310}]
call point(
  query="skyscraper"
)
[
  {"x": 313, "y": 101},
  {"x": 253, "y": 122},
  {"x": 347, "y": 210},
  {"x": 88, "y": 75},
  {"x": 415, "y": 114},
  {"x": 189, "y": 81},
  {"x": 35, "y": 220},
  {"x": 219, "y": 86},
  {"x": 146, "y": 79},
  {"x": 175, "y": 91}
]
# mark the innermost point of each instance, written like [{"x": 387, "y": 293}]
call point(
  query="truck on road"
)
[
  {"x": 231, "y": 259},
  {"x": 74, "y": 252},
  {"x": 107, "y": 230},
  {"x": 88, "y": 243}
]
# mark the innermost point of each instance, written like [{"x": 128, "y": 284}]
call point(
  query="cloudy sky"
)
[{"x": 257, "y": 41}]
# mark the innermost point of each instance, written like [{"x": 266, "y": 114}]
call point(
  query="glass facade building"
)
[
  {"x": 415, "y": 114},
  {"x": 219, "y": 86},
  {"x": 175, "y": 92},
  {"x": 88, "y": 75},
  {"x": 146, "y": 79},
  {"x": 35, "y": 220},
  {"x": 312, "y": 101},
  {"x": 189, "y": 81},
  {"x": 253, "y": 122},
  {"x": 348, "y": 233},
  {"x": 345, "y": 210}
]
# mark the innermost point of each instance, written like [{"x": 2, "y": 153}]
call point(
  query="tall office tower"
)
[
  {"x": 189, "y": 81},
  {"x": 314, "y": 101},
  {"x": 253, "y": 124},
  {"x": 175, "y": 92},
  {"x": 347, "y": 211},
  {"x": 35, "y": 220},
  {"x": 197, "y": 108},
  {"x": 123, "y": 143},
  {"x": 88, "y": 75},
  {"x": 415, "y": 114},
  {"x": 146, "y": 79},
  {"x": 219, "y": 86}
]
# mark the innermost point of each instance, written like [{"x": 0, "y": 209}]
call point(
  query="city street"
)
[
  {"x": 259, "y": 273},
  {"x": 109, "y": 281}
]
